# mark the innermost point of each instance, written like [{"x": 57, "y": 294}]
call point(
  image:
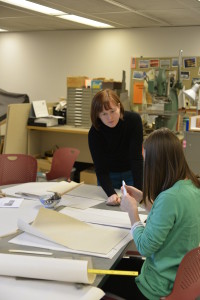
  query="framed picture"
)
[
  {"x": 144, "y": 64},
  {"x": 185, "y": 75},
  {"x": 174, "y": 62},
  {"x": 154, "y": 63},
  {"x": 189, "y": 62},
  {"x": 165, "y": 63},
  {"x": 139, "y": 75}
]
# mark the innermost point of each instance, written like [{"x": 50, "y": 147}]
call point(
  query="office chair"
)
[
  {"x": 62, "y": 163},
  {"x": 187, "y": 281},
  {"x": 17, "y": 168}
]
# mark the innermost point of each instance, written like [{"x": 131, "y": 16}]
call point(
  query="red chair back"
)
[
  {"x": 187, "y": 281},
  {"x": 62, "y": 163},
  {"x": 17, "y": 168}
]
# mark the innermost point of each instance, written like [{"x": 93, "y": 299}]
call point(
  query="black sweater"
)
[{"x": 118, "y": 149}]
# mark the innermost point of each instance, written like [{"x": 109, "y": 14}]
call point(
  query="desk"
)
[
  {"x": 41, "y": 139},
  {"x": 98, "y": 262}
]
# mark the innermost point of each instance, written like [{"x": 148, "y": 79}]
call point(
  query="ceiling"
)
[{"x": 120, "y": 14}]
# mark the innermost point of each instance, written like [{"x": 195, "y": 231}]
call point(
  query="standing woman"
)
[{"x": 115, "y": 142}]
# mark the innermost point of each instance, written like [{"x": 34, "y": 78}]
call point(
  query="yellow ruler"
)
[{"x": 112, "y": 272}]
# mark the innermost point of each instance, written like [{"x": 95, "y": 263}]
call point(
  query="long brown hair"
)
[
  {"x": 101, "y": 101},
  {"x": 164, "y": 164}
]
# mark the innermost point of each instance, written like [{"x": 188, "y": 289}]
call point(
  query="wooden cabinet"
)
[{"x": 41, "y": 139}]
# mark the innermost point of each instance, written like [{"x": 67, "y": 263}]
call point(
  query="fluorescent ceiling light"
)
[
  {"x": 34, "y": 6},
  {"x": 53, "y": 12},
  {"x": 85, "y": 21},
  {"x": 2, "y": 30}
]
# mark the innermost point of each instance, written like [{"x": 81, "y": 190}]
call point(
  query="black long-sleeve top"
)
[{"x": 118, "y": 149}]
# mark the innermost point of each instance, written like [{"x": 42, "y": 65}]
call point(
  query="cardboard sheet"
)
[{"x": 72, "y": 233}]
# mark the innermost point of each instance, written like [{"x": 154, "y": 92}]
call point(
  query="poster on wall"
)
[
  {"x": 138, "y": 92},
  {"x": 133, "y": 62}
]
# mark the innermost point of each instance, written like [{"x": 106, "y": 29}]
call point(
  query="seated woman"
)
[{"x": 171, "y": 193}]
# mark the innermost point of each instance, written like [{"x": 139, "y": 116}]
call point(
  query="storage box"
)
[
  {"x": 88, "y": 176},
  {"x": 76, "y": 82},
  {"x": 194, "y": 123},
  {"x": 44, "y": 165},
  {"x": 113, "y": 85}
]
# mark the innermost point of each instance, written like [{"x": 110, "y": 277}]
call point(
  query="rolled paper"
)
[{"x": 68, "y": 270}]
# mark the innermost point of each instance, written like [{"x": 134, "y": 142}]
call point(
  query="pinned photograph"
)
[
  {"x": 154, "y": 63},
  {"x": 133, "y": 62},
  {"x": 174, "y": 62},
  {"x": 165, "y": 63},
  {"x": 189, "y": 62},
  {"x": 185, "y": 75},
  {"x": 143, "y": 64}
]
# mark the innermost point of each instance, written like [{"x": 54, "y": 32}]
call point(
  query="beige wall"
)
[{"x": 37, "y": 63}]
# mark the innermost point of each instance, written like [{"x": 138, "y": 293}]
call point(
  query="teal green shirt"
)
[{"x": 172, "y": 229}]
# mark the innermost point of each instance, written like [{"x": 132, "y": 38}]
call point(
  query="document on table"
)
[
  {"x": 30, "y": 240},
  {"x": 85, "y": 196},
  {"x": 100, "y": 216},
  {"x": 40, "y": 188},
  {"x": 89, "y": 191},
  {"x": 35, "y": 188},
  {"x": 72, "y": 233},
  {"x": 21, "y": 289},
  {"x": 10, "y": 202},
  {"x": 9, "y": 216},
  {"x": 78, "y": 201}
]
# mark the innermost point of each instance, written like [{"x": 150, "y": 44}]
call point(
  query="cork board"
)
[{"x": 189, "y": 72}]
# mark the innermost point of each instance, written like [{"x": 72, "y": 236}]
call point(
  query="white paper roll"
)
[{"x": 49, "y": 268}]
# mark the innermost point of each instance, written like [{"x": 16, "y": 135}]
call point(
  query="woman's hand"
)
[
  {"x": 113, "y": 200},
  {"x": 129, "y": 204},
  {"x": 133, "y": 192}
]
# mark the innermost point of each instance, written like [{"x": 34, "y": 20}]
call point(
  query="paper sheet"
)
[
  {"x": 40, "y": 108},
  {"x": 81, "y": 196},
  {"x": 9, "y": 217},
  {"x": 41, "y": 188},
  {"x": 21, "y": 289},
  {"x": 78, "y": 202},
  {"x": 89, "y": 191},
  {"x": 102, "y": 216},
  {"x": 30, "y": 240},
  {"x": 63, "y": 187},
  {"x": 72, "y": 233},
  {"x": 10, "y": 202},
  {"x": 68, "y": 270},
  {"x": 36, "y": 188}
]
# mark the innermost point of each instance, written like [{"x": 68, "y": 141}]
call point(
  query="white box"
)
[{"x": 194, "y": 123}]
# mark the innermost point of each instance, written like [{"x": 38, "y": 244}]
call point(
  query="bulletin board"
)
[{"x": 142, "y": 66}]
